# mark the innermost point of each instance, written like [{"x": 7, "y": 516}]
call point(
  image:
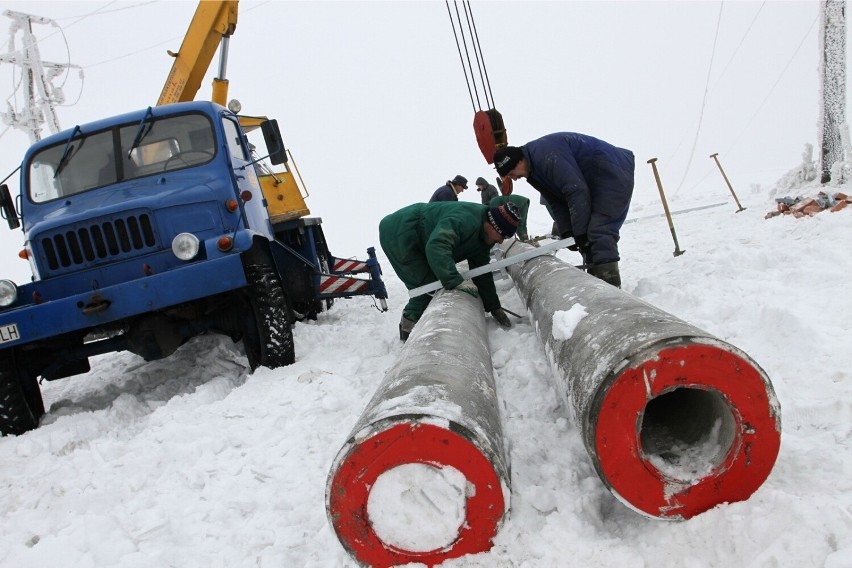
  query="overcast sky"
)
[{"x": 372, "y": 102}]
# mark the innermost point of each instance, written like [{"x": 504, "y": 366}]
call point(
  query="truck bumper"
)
[{"x": 114, "y": 303}]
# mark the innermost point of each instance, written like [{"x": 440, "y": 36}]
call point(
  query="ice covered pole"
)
[
  {"x": 676, "y": 421},
  {"x": 423, "y": 476}
]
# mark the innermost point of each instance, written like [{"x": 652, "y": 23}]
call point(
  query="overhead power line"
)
[{"x": 703, "y": 102}]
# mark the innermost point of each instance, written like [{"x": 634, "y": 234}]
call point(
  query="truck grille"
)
[{"x": 105, "y": 239}]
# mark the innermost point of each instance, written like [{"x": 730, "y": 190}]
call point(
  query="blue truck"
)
[{"x": 149, "y": 228}]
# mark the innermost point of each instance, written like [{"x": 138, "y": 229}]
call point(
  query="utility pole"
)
[
  {"x": 37, "y": 76},
  {"x": 832, "y": 70}
]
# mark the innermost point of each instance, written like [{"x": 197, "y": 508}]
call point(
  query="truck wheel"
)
[
  {"x": 268, "y": 337},
  {"x": 21, "y": 405}
]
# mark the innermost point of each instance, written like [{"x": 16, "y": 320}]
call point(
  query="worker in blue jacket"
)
[
  {"x": 450, "y": 190},
  {"x": 588, "y": 184}
]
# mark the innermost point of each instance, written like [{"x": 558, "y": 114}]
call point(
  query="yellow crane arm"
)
[{"x": 213, "y": 21}]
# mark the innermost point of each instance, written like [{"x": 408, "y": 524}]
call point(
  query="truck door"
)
[{"x": 246, "y": 180}]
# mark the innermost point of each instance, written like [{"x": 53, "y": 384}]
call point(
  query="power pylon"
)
[{"x": 37, "y": 76}]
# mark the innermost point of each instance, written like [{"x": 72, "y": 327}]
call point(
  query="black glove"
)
[
  {"x": 580, "y": 242},
  {"x": 582, "y": 245},
  {"x": 501, "y": 317}
]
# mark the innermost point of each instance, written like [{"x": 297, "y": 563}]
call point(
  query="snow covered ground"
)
[{"x": 192, "y": 462}]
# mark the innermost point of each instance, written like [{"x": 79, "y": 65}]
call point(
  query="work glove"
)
[
  {"x": 554, "y": 232},
  {"x": 584, "y": 247},
  {"x": 523, "y": 237},
  {"x": 580, "y": 241},
  {"x": 502, "y": 318},
  {"x": 468, "y": 287}
]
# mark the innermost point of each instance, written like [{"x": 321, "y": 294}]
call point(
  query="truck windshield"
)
[{"x": 169, "y": 143}]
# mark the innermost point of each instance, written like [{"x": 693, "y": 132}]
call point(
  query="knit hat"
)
[
  {"x": 460, "y": 180},
  {"x": 504, "y": 219},
  {"x": 481, "y": 181},
  {"x": 506, "y": 158}
]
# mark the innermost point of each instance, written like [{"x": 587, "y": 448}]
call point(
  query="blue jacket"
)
[
  {"x": 578, "y": 174},
  {"x": 444, "y": 193}
]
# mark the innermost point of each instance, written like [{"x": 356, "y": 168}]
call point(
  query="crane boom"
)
[
  {"x": 213, "y": 22},
  {"x": 211, "y": 26}
]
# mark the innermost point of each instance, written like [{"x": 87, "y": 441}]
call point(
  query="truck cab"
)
[{"x": 149, "y": 228}]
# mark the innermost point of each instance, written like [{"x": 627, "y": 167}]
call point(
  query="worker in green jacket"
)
[
  {"x": 424, "y": 241},
  {"x": 521, "y": 202}
]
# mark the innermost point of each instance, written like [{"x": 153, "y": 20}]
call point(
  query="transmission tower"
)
[
  {"x": 832, "y": 121},
  {"x": 37, "y": 76}
]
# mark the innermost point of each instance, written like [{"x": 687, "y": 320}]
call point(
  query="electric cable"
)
[
  {"x": 778, "y": 80},
  {"x": 733, "y": 144},
  {"x": 739, "y": 45},
  {"x": 703, "y": 103}
]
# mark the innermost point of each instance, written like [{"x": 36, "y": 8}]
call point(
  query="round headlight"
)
[
  {"x": 234, "y": 106},
  {"x": 185, "y": 246},
  {"x": 8, "y": 293}
]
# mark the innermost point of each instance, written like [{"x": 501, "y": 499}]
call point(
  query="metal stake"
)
[
  {"x": 677, "y": 250},
  {"x": 716, "y": 157}
]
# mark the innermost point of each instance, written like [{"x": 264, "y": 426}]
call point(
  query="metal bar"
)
[
  {"x": 716, "y": 157},
  {"x": 678, "y": 212},
  {"x": 493, "y": 266},
  {"x": 677, "y": 250}
]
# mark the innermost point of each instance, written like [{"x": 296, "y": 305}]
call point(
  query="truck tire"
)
[
  {"x": 268, "y": 337},
  {"x": 21, "y": 405}
]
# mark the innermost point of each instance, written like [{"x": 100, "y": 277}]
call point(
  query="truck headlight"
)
[
  {"x": 185, "y": 246},
  {"x": 8, "y": 293}
]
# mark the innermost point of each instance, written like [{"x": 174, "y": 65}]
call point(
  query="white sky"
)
[{"x": 372, "y": 102}]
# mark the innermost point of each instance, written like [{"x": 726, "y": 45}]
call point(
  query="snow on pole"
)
[
  {"x": 423, "y": 476},
  {"x": 676, "y": 421}
]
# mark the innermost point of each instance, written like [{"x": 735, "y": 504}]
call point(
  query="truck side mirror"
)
[
  {"x": 274, "y": 143},
  {"x": 7, "y": 207}
]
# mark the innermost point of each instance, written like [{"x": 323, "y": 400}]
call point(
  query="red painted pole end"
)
[
  {"x": 695, "y": 426},
  {"x": 402, "y": 444}
]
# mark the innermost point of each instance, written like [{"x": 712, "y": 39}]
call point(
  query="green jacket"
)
[
  {"x": 523, "y": 206},
  {"x": 433, "y": 237}
]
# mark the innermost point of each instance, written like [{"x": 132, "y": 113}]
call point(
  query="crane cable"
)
[
  {"x": 467, "y": 66},
  {"x": 487, "y": 124}
]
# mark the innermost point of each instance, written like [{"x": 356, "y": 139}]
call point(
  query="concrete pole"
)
[
  {"x": 676, "y": 421},
  {"x": 432, "y": 431}
]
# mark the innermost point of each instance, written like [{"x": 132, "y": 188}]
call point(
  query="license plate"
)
[{"x": 9, "y": 333}]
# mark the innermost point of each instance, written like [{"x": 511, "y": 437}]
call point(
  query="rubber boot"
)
[
  {"x": 405, "y": 327},
  {"x": 607, "y": 272}
]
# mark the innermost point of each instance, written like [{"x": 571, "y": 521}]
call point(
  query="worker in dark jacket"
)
[
  {"x": 424, "y": 241},
  {"x": 450, "y": 190},
  {"x": 521, "y": 202},
  {"x": 487, "y": 192},
  {"x": 588, "y": 184}
]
